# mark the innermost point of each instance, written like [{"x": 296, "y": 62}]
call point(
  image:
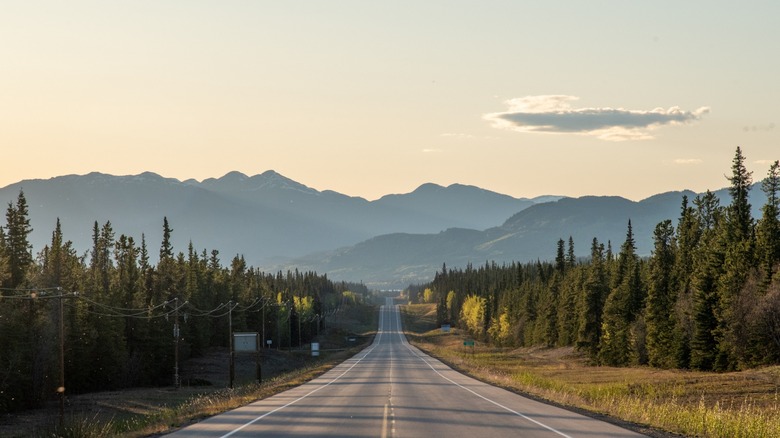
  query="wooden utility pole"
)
[
  {"x": 176, "y": 381},
  {"x": 61, "y": 388},
  {"x": 230, "y": 334}
]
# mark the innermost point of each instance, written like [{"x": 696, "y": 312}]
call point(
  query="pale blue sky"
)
[{"x": 369, "y": 98}]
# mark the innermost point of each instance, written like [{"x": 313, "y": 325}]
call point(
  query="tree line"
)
[
  {"x": 707, "y": 298},
  {"x": 121, "y": 313}
]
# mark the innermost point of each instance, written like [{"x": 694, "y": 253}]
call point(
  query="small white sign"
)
[{"x": 245, "y": 342}]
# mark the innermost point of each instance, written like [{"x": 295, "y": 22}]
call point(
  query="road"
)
[{"x": 392, "y": 389}]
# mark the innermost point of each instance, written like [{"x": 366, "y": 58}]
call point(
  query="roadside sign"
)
[
  {"x": 469, "y": 343},
  {"x": 245, "y": 342}
]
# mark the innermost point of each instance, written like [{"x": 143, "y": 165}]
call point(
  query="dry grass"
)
[{"x": 743, "y": 404}]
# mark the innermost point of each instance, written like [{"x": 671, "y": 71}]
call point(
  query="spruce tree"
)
[
  {"x": 595, "y": 289},
  {"x": 560, "y": 257},
  {"x": 18, "y": 250},
  {"x": 5, "y": 274},
  {"x": 571, "y": 259},
  {"x": 738, "y": 239},
  {"x": 688, "y": 233},
  {"x": 738, "y": 213},
  {"x": 660, "y": 317},
  {"x": 622, "y": 305},
  {"x": 768, "y": 228},
  {"x": 708, "y": 265}
]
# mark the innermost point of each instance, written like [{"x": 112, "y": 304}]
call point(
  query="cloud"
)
[
  {"x": 458, "y": 135},
  {"x": 462, "y": 136},
  {"x": 756, "y": 128},
  {"x": 688, "y": 161},
  {"x": 431, "y": 150},
  {"x": 553, "y": 114}
]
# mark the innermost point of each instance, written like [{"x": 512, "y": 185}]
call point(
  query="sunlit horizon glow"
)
[{"x": 374, "y": 98}]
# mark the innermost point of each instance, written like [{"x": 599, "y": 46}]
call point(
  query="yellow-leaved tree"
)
[{"x": 472, "y": 315}]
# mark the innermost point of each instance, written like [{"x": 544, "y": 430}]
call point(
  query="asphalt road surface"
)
[{"x": 392, "y": 389}]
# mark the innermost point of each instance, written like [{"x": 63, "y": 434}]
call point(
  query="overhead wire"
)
[{"x": 151, "y": 312}]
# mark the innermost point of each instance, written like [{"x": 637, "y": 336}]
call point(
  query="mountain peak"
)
[
  {"x": 234, "y": 176},
  {"x": 271, "y": 179},
  {"x": 428, "y": 187}
]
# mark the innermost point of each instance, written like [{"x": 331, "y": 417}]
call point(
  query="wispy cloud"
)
[
  {"x": 431, "y": 150},
  {"x": 756, "y": 128},
  {"x": 464, "y": 136},
  {"x": 688, "y": 161},
  {"x": 458, "y": 135},
  {"x": 553, "y": 114}
]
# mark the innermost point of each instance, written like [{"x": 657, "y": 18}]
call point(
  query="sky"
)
[{"x": 369, "y": 98}]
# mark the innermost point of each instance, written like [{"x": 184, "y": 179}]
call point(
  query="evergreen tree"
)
[
  {"x": 571, "y": 259},
  {"x": 560, "y": 257},
  {"x": 166, "y": 279},
  {"x": 595, "y": 289},
  {"x": 768, "y": 228},
  {"x": 738, "y": 213},
  {"x": 549, "y": 314},
  {"x": 5, "y": 274},
  {"x": 571, "y": 290},
  {"x": 661, "y": 322},
  {"x": 688, "y": 234},
  {"x": 18, "y": 250},
  {"x": 738, "y": 239},
  {"x": 622, "y": 305},
  {"x": 708, "y": 265}
]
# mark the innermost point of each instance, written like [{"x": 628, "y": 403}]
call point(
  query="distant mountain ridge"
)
[
  {"x": 400, "y": 259},
  {"x": 278, "y": 223},
  {"x": 265, "y": 217}
]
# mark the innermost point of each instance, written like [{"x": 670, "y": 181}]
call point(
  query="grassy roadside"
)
[
  {"x": 144, "y": 412},
  {"x": 743, "y": 404}
]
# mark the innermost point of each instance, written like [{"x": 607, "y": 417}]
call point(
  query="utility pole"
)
[
  {"x": 176, "y": 383},
  {"x": 61, "y": 388},
  {"x": 230, "y": 343},
  {"x": 298, "y": 316},
  {"x": 289, "y": 327}
]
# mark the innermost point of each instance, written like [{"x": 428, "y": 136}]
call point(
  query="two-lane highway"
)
[{"x": 392, "y": 389}]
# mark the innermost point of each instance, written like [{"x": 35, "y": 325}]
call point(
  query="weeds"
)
[{"x": 79, "y": 427}]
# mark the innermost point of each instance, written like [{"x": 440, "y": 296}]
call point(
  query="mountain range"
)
[{"x": 278, "y": 223}]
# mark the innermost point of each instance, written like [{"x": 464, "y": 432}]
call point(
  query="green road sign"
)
[{"x": 468, "y": 343}]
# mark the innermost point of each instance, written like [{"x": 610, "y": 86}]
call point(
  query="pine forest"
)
[
  {"x": 120, "y": 314},
  {"x": 707, "y": 298}
]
